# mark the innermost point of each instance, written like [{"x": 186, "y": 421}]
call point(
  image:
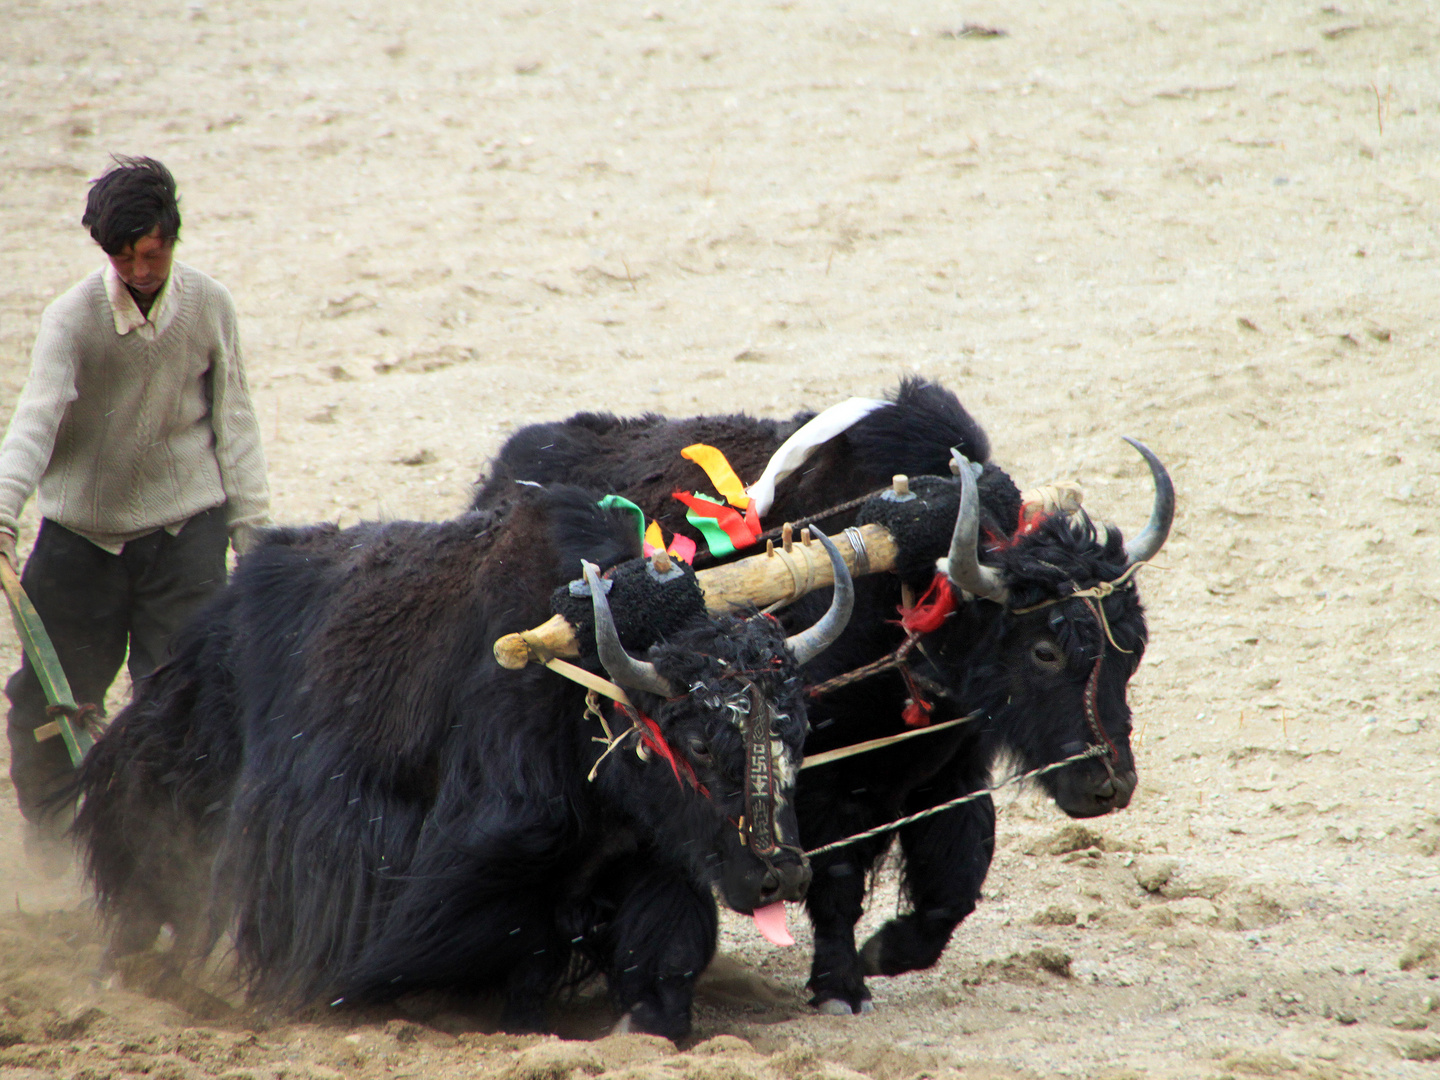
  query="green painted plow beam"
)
[{"x": 43, "y": 658}]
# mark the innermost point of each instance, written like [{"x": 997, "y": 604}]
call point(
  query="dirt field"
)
[{"x": 1215, "y": 232}]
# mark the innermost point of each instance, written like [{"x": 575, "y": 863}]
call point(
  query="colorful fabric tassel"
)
[
  {"x": 619, "y": 502},
  {"x": 681, "y": 547},
  {"x": 718, "y": 469},
  {"x": 724, "y": 530}
]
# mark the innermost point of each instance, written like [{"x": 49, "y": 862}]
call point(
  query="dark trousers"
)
[{"x": 95, "y": 606}]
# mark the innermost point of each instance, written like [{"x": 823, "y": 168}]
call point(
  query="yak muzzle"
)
[
  {"x": 788, "y": 882},
  {"x": 1094, "y": 791},
  {"x": 754, "y": 883}
]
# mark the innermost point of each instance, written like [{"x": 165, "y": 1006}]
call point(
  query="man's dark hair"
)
[{"x": 129, "y": 201}]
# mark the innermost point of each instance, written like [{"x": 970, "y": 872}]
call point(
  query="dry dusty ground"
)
[{"x": 1212, "y": 226}]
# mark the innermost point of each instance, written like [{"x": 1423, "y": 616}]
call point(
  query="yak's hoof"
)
[
  {"x": 624, "y": 1025},
  {"x": 837, "y": 1007}
]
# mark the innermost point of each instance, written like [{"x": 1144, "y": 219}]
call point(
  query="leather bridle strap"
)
[{"x": 759, "y": 777}]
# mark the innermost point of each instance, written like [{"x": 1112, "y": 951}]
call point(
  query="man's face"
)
[{"x": 145, "y": 264}]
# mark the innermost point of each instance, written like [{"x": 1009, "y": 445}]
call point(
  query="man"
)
[{"x": 137, "y": 426}]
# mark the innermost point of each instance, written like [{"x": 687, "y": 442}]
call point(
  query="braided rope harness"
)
[
  {"x": 891, "y": 826},
  {"x": 1102, "y": 747},
  {"x": 703, "y": 559},
  {"x": 1094, "y": 600}
]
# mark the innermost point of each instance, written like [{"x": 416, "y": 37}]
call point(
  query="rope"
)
[
  {"x": 1094, "y": 598},
  {"x": 827, "y": 756},
  {"x": 895, "y": 659},
  {"x": 798, "y": 523},
  {"x": 1098, "y": 591},
  {"x": 592, "y": 708},
  {"x": 592, "y": 682},
  {"x": 1094, "y": 751}
]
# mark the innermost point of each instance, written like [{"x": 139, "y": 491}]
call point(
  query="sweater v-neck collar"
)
[{"x": 127, "y": 313}]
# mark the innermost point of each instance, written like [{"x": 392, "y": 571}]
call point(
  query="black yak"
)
[
  {"x": 334, "y": 766},
  {"x": 1007, "y": 635}
]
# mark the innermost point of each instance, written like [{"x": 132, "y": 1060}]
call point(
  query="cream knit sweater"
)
[{"x": 129, "y": 433}]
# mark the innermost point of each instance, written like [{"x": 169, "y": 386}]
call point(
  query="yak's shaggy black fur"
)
[
  {"x": 335, "y": 765},
  {"x": 641, "y": 456},
  {"x": 1022, "y": 674}
]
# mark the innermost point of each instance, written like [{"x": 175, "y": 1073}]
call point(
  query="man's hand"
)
[{"x": 7, "y": 548}]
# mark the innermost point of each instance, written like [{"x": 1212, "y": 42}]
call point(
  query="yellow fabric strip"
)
[
  {"x": 720, "y": 473},
  {"x": 654, "y": 537}
]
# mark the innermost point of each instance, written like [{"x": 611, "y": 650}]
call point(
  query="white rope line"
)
[
  {"x": 827, "y": 756},
  {"x": 1094, "y": 751}
]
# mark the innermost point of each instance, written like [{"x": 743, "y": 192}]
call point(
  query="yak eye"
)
[
  {"x": 699, "y": 749},
  {"x": 1047, "y": 655}
]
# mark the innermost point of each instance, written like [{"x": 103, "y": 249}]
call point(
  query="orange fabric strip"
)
[{"x": 720, "y": 473}]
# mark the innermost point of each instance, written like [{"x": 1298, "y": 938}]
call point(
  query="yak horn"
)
[
  {"x": 964, "y": 562},
  {"x": 623, "y": 668},
  {"x": 810, "y": 643},
  {"x": 1152, "y": 538}
]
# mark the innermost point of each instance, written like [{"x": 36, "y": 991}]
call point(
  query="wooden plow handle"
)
[{"x": 46, "y": 663}]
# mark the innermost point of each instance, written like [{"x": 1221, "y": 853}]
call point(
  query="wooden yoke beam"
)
[
  {"x": 784, "y": 574},
  {"x": 778, "y": 576}
]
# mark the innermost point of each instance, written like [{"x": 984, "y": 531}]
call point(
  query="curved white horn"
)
[
  {"x": 1162, "y": 513},
  {"x": 964, "y": 562},
  {"x": 810, "y": 643}
]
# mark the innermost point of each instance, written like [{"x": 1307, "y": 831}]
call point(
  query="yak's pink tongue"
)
[{"x": 770, "y": 921}]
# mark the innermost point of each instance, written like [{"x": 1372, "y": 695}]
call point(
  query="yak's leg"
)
[
  {"x": 134, "y": 930},
  {"x": 946, "y": 859},
  {"x": 167, "y": 885},
  {"x": 510, "y": 941},
  {"x": 193, "y": 915},
  {"x": 157, "y": 896},
  {"x": 528, "y": 987},
  {"x": 438, "y": 935},
  {"x": 665, "y": 932},
  {"x": 835, "y": 902}
]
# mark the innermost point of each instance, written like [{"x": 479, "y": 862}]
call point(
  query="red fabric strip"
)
[
  {"x": 737, "y": 528},
  {"x": 931, "y": 610},
  {"x": 654, "y": 738}
]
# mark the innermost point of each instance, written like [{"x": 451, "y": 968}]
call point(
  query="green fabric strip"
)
[
  {"x": 716, "y": 538},
  {"x": 619, "y": 502}
]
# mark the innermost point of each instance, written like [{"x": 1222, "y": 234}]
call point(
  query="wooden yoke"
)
[
  {"x": 777, "y": 577},
  {"x": 784, "y": 574}
]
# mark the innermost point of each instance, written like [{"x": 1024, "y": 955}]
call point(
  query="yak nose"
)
[
  {"x": 1117, "y": 789},
  {"x": 788, "y": 882}
]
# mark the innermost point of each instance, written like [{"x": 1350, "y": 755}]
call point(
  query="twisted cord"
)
[{"x": 1094, "y": 751}]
